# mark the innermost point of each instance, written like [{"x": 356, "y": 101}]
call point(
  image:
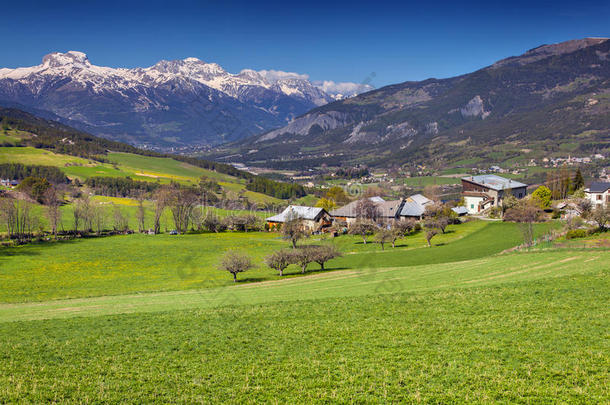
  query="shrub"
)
[{"x": 577, "y": 233}]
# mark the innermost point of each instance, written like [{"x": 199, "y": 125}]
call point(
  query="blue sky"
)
[{"x": 384, "y": 42}]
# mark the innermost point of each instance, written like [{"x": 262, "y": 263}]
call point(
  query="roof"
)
[
  {"x": 599, "y": 187},
  {"x": 415, "y": 206},
  {"x": 386, "y": 208},
  {"x": 297, "y": 211},
  {"x": 460, "y": 210},
  {"x": 494, "y": 182}
]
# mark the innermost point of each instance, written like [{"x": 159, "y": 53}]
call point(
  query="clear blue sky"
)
[{"x": 340, "y": 41}]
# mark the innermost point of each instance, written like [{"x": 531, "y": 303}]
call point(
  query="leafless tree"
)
[
  {"x": 293, "y": 230},
  {"x": 430, "y": 233},
  {"x": 99, "y": 217},
  {"x": 213, "y": 223},
  {"x": 17, "y": 217},
  {"x": 235, "y": 262},
  {"x": 362, "y": 227},
  {"x": 82, "y": 213},
  {"x": 601, "y": 215},
  {"x": 181, "y": 203},
  {"x": 141, "y": 212},
  {"x": 279, "y": 260},
  {"x": 322, "y": 254},
  {"x": 161, "y": 198},
  {"x": 121, "y": 221},
  {"x": 303, "y": 256},
  {"x": 53, "y": 213},
  {"x": 526, "y": 213},
  {"x": 367, "y": 209},
  {"x": 384, "y": 236}
]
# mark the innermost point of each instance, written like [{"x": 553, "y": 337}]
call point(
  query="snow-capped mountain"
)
[{"x": 177, "y": 102}]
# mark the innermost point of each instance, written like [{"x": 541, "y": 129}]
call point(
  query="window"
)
[
  {"x": 471, "y": 206},
  {"x": 599, "y": 196}
]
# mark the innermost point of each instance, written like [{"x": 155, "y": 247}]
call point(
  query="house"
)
[
  {"x": 313, "y": 218},
  {"x": 485, "y": 191},
  {"x": 460, "y": 211},
  {"x": 415, "y": 206},
  {"x": 388, "y": 210},
  {"x": 598, "y": 193},
  {"x": 9, "y": 183}
]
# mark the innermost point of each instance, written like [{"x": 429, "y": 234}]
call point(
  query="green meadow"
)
[{"x": 519, "y": 327}]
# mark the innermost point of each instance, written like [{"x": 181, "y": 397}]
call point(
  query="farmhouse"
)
[
  {"x": 415, "y": 207},
  {"x": 598, "y": 193},
  {"x": 313, "y": 218},
  {"x": 485, "y": 191},
  {"x": 9, "y": 183},
  {"x": 387, "y": 210}
]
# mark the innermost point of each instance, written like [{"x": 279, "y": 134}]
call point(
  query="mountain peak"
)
[
  {"x": 57, "y": 59},
  {"x": 548, "y": 50}
]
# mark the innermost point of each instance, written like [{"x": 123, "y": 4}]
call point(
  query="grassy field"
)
[
  {"x": 142, "y": 168},
  {"x": 529, "y": 327},
  {"x": 140, "y": 263}
]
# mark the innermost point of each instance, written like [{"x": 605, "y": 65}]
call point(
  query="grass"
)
[
  {"x": 424, "y": 181},
  {"x": 140, "y": 263},
  {"x": 526, "y": 327}
]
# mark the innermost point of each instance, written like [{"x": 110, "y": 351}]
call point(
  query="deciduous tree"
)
[{"x": 235, "y": 262}]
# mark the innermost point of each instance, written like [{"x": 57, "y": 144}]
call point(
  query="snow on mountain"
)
[{"x": 226, "y": 106}]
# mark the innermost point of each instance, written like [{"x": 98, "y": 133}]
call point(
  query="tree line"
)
[{"x": 18, "y": 171}]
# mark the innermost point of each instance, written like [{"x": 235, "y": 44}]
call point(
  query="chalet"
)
[
  {"x": 485, "y": 191},
  {"x": 9, "y": 183},
  {"x": 415, "y": 207},
  {"x": 598, "y": 193},
  {"x": 388, "y": 210},
  {"x": 314, "y": 219}
]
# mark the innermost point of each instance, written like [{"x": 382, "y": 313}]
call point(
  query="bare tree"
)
[
  {"x": 141, "y": 212},
  {"x": 525, "y": 213},
  {"x": 99, "y": 217},
  {"x": 121, "y": 221},
  {"x": 322, "y": 254},
  {"x": 235, "y": 262},
  {"x": 181, "y": 203},
  {"x": 303, "y": 257},
  {"x": 53, "y": 202},
  {"x": 161, "y": 198},
  {"x": 16, "y": 215},
  {"x": 584, "y": 207},
  {"x": 601, "y": 216},
  {"x": 384, "y": 236},
  {"x": 213, "y": 223},
  {"x": 293, "y": 230},
  {"x": 362, "y": 227},
  {"x": 430, "y": 233},
  {"x": 279, "y": 260},
  {"x": 82, "y": 213},
  {"x": 367, "y": 209}
]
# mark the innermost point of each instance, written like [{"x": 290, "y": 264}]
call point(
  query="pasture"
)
[{"x": 526, "y": 327}]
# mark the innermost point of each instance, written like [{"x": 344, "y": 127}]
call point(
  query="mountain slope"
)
[
  {"x": 180, "y": 102},
  {"x": 553, "y": 92}
]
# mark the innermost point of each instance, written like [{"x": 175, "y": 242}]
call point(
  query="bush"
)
[{"x": 577, "y": 233}]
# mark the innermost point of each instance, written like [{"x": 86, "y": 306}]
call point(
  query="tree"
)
[
  {"x": 384, "y": 236},
  {"x": 542, "y": 197},
  {"x": 579, "y": 181},
  {"x": 16, "y": 215},
  {"x": 213, "y": 223},
  {"x": 235, "y": 262},
  {"x": 338, "y": 195},
  {"x": 303, "y": 256},
  {"x": 442, "y": 214},
  {"x": 161, "y": 198},
  {"x": 367, "y": 209},
  {"x": 322, "y": 254},
  {"x": 362, "y": 227},
  {"x": 279, "y": 260},
  {"x": 34, "y": 187},
  {"x": 181, "y": 202},
  {"x": 99, "y": 217},
  {"x": 525, "y": 213},
  {"x": 584, "y": 206},
  {"x": 326, "y": 203},
  {"x": 293, "y": 230},
  {"x": 430, "y": 233},
  {"x": 52, "y": 201},
  {"x": 432, "y": 228},
  {"x": 141, "y": 212},
  {"x": 82, "y": 213},
  {"x": 601, "y": 216},
  {"x": 121, "y": 221}
]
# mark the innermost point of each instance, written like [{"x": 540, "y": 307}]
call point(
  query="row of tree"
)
[
  {"x": 235, "y": 262},
  {"x": 18, "y": 171}
]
